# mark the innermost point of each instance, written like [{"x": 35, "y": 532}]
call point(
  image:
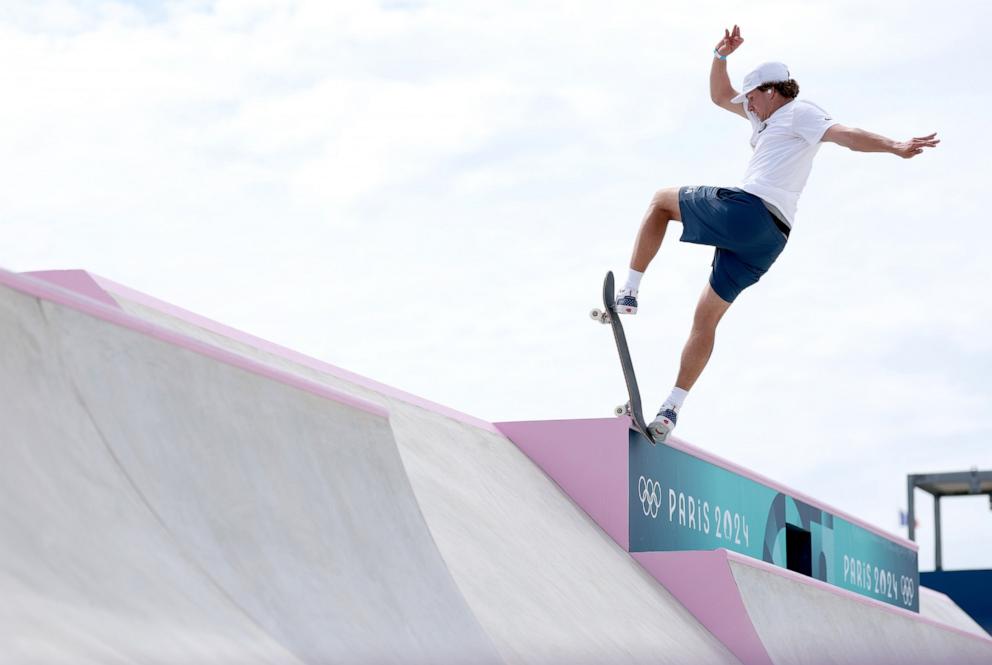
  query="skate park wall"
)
[
  {"x": 534, "y": 570},
  {"x": 594, "y": 461},
  {"x": 698, "y": 501}
]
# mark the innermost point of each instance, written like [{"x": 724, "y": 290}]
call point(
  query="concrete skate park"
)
[{"x": 176, "y": 491}]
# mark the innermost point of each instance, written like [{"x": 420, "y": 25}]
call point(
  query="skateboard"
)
[{"x": 609, "y": 315}]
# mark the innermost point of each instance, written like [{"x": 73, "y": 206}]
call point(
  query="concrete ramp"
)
[
  {"x": 940, "y": 608},
  {"x": 227, "y": 499},
  {"x": 162, "y": 501},
  {"x": 546, "y": 584},
  {"x": 804, "y": 624}
]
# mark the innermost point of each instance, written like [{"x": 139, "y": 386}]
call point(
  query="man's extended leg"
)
[{"x": 695, "y": 355}]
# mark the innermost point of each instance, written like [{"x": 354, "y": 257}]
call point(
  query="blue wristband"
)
[{"x": 716, "y": 54}]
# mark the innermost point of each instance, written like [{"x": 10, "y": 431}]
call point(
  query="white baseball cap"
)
[{"x": 766, "y": 72}]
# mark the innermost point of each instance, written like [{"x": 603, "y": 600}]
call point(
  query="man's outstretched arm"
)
[
  {"x": 862, "y": 141},
  {"x": 721, "y": 91}
]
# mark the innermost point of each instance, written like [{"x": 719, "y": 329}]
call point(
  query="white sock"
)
[
  {"x": 677, "y": 398},
  {"x": 633, "y": 280}
]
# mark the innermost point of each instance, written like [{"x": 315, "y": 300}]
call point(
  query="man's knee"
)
[
  {"x": 709, "y": 311},
  {"x": 666, "y": 203}
]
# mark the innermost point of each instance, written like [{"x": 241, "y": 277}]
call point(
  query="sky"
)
[{"x": 429, "y": 194}]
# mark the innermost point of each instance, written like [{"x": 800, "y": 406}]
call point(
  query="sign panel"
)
[{"x": 679, "y": 502}]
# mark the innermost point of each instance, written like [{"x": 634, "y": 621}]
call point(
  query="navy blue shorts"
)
[{"x": 741, "y": 228}]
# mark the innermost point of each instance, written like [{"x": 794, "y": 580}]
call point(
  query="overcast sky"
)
[{"x": 429, "y": 194}]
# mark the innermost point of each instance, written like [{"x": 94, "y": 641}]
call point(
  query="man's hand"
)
[
  {"x": 730, "y": 42},
  {"x": 913, "y": 147}
]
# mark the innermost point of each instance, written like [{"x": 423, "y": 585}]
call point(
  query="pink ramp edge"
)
[
  {"x": 39, "y": 288},
  {"x": 79, "y": 281},
  {"x": 704, "y": 584},
  {"x": 270, "y": 347},
  {"x": 588, "y": 459}
]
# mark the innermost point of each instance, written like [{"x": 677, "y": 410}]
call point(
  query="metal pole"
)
[
  {"x": 911, "y": 516},
  {"x": 936, "y": 526}
]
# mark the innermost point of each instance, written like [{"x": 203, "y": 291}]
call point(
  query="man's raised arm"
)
[
  {"x": 721, "y": 91},
  {"x": 862, "y": 141}
]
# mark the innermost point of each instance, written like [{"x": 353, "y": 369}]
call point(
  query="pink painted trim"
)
[
  {"x": 589, "y": 461},
  {"x": 690, "y": 449},
  {"x": 112, "y": 314},
  {"x": 864, "y": 600},
  {"x": 703, "y": 582},
  {"x": 78, "y": 281},
  {"x": 270, "y": 347}
]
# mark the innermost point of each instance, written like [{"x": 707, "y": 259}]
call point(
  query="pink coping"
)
[
  {"x": 41, "y": 286},
  {"x": 270, "y": 347},
  {"x": 705, "y": 585},
  {"x": 586, "y": 459},
  {"x": 79, "y": 281}
]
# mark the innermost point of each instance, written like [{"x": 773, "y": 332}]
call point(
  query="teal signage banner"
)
[{"x": 679, "y": 502}]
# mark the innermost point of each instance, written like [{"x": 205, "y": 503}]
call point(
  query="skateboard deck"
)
[{"x": 610, "y": 315}]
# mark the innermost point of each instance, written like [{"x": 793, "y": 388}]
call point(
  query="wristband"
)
[{"x": 716, "y": 54}]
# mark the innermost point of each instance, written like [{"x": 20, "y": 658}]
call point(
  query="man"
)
[{"x": 748, "y": 225}]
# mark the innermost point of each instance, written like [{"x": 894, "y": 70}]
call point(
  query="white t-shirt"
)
[{"x": 784, "y": 148}]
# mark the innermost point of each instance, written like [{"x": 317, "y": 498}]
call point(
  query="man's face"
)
[{"x": 762, "y": 103}]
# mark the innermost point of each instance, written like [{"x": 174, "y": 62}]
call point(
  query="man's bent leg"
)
[
  {"x": 664, "y": 207},
  {"x": 698, "y": 349}
]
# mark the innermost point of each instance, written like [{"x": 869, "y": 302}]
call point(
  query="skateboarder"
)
[{"x": 748, "y": 225}]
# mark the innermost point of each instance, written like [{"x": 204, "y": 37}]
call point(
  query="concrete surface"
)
[
  {"x": 157, "y": 505},
  {"x": 803, "y": 624}
]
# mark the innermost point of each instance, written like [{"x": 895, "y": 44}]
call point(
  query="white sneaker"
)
[
  {"x": 626, "y": 302},
  {"x": 664, "y": 423}
]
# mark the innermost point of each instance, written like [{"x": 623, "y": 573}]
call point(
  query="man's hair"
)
[{"x": 788, "y": 89}]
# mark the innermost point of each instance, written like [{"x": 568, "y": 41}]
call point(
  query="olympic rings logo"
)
[{"x": 650, "y": 493}]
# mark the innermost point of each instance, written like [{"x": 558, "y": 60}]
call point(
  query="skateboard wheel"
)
[
  {"x": 600, "y": 315},
  {"x": 620, "y": 410}
]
